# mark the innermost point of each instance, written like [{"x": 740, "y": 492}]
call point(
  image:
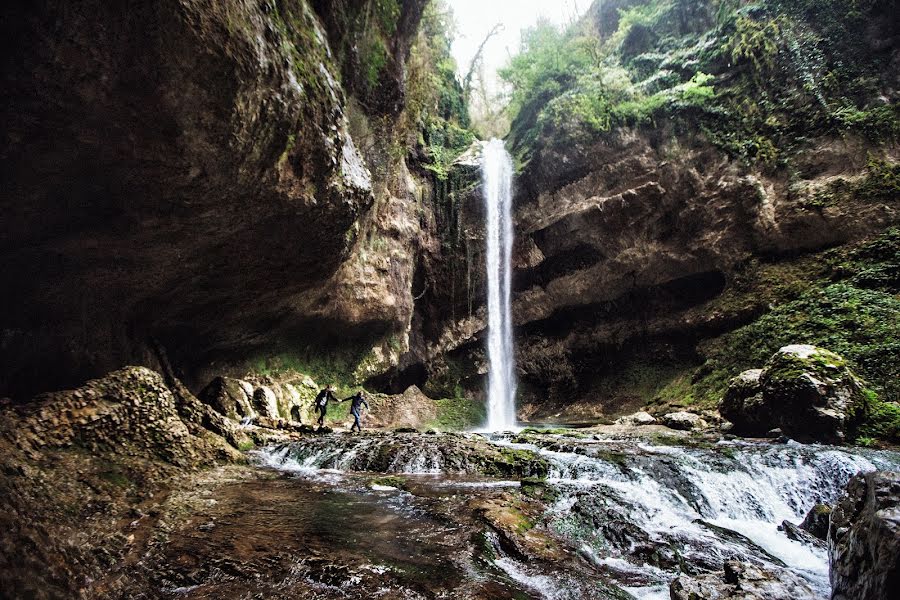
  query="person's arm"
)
[{"x": 366, "y": 404}]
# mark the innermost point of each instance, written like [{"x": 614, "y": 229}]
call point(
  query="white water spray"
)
[{"x": 497, "y": 172}]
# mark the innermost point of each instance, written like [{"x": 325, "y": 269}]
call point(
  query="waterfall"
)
[{"x": 497, "y": 172}]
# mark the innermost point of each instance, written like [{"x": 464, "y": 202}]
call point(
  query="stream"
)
[{"x": 437, "y": 516}]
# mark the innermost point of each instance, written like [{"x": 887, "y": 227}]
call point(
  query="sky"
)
[{"x": 475, "y": 18}]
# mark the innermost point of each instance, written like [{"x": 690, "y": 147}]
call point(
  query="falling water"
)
[{"x": 497, "y": 179}]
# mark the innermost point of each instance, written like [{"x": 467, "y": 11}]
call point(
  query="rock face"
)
[
  {"x": 807, "y": 392},
  {"x": 590, "y": 302},
  {"x": 864, "y": 539},
  {"x": 182, "y": 174},
  {"x": 289, "y": 396},
  {"x": 637, "y": 246}
]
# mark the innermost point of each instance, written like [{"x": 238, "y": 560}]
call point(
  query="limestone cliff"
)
[
  {"x": 203, "y": 179},
  {"x": 685, "y": 206}
]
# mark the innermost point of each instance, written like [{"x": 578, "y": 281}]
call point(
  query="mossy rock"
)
[{"x": 808, "y": 392}]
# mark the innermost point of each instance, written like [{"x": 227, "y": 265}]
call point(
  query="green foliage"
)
[
  {"x": 861, "y": 325},
  {"x": 374, "y": 58},
  {"x": 880, "y": 184},
  {"x": 388, "y": 14},
  {"x": 845, "y": 300},
  {"x": 435, "y": 104},
  {"x": 458, "y": 414},
  {"x": 445, "y": 141},
  {"x": 784, "y": 71},
  {"x": 879, "y": 123},
  {"x": 882, "y": 422},
  {"x": 549, "y": 61},
  {"x": 755, "y": 42},
  {"x": 324, "y": 368}
]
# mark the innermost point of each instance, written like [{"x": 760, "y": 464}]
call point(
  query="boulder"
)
[
  {"x": 229, "y": 397},
  {"x": 638, "y": 418},
  {"x": 816, "y": 521},
  {"x": 741, "y": 580},
  {"x": 807, "y": 392},
  {"x": 684, "y": 421},
  {"x": 410, "y": 410},
  {"x": 864, "y": 538},
  {"x": 266, "y": 402}
]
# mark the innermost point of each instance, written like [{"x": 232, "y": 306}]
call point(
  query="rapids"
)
[{"x": 634, "y": 513}]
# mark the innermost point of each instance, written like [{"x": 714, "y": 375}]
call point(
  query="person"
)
[
  {"x": 358, "y": 401},
  {"x": 321, "y": 403}
]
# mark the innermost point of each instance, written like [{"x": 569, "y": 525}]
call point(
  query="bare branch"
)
[{"x": 476, "y": 60}]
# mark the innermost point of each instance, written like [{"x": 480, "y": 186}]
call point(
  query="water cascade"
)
[
  {"x": 497, "y": 172},
  {"x": 639, "y": 512}
]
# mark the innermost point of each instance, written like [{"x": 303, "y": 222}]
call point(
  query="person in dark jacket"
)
[
  {"x": 358, "y": 401},
  {"x": 321, "y": 403}
]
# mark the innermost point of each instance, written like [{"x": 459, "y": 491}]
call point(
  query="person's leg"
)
[
  {"x": 356, "y": 424},
  {"x": 321, "y": 418}
]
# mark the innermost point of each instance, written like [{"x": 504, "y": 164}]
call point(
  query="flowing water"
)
[
  {"x": 497, "y": 173},
  {"x": 629, "y": 513}
]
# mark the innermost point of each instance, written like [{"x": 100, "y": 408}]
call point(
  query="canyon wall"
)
[{"x": 202, "y": 182}]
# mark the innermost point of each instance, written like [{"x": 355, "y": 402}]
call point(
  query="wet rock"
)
[
  {"x": 684, "y": 421},
  {"x": 82, "y": 470},
  {"x": 816, "y": 521},
  {"x": 741, "y": 581},
  {"x": 797, "y": 534},
  {"x": 864, "y": 538},
  {"x": 806, "y": 392},
  {"x": 740, "y": 539},
  {"x": 514, "y": 522},
  {"x": 406, "y": 453}
]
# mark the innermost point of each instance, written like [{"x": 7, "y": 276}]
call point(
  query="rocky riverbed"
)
[{"x": 532, "y": 515}]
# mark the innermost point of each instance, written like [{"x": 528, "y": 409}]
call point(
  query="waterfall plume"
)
[{"x": 497, "y": 173}]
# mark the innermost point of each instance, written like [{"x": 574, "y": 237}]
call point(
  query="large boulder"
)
[
  {"x": 864, "y": 538},
  {"x": 807, "y": 392},
  {"x": 230, "y": 397},
  {"x": 684, "y": 421},
  {"x": 639, "y": 418},
  {"x": 412, "y": 409}
]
